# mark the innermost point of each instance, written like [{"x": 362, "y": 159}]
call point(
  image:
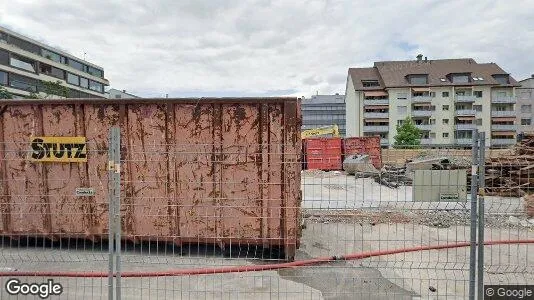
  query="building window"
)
[
  {"x": 445, "y": 107},
  {"x": 432, "y": 135},
  {"x": 432, "y": 121},
  {"x": 526, "y": 108},
  {"x": 84, "y": 82},
  {"x": 524, "y": 95},
  {"x": 418, "y": 79},
  {"x": 51, "y": 71},
  {"x": 3, "y": 78},
  {"x": 95, "y": 86},
  {"x": 445, "y": 121},
  {"x": 445, "y": 94},
  {"x": 23, "y": 83},
  {"x": 76, "y": 65},
  {"x": 22, "y": 63},
  {"x": 52, "y": 56},
  {"x": 526, "y": 122},
  {"x": 460, "y": 78},
  {"x": 95, "y": 72},
  {"x": 433, "y": 94},
  {"x": 478, "y": 94},
  {"x": 370, "y": 83},
  {"x": 4, "y": 57},
  {"x": 22, "y": 44},
  {"x": 402, "y": 109},
  {"x": 478, "y": 122},
  {"x": 445, "y": 135},
  {"x": 73, "y": 79},
  {"x": 477, "y": 107},
  {"x": 402, "y": 96},
  {"x": 501, "y": 78},
  {"x": 400, "y": 122}
]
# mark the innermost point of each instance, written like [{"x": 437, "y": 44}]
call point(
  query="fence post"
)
[
  {"x": 114, "y": 243},
  {"x": 111, "y": 211},
  {"x": 481, "y": 186},
  {"x": 473, "y": 234}
]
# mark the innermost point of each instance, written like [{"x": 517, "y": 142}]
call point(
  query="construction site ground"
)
[{"x": 343, "y": 215}]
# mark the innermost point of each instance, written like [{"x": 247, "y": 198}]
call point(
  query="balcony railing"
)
[
  {"x": 503, "y": 113},
  {"x": 421, "y": 99},
  {"x": 464, "y": 141},
  {"x": 509, "y": 99},
  {"x": 422, "y": 113},
  {"x": 424, "y": 126},
  {"x": 498, "y": 127},
  {"x": 378, "y": 128},
  {"x": 502, "y": 142},
  {"x": 465, "y": 99},
  {"x": 376, "y": 102},
  {"x": 465, "y": 112},
  {"x": 384, "y": 142},
  {"x": 375, "y": 115},
  {"x": 427, "y": 141},
  {"x": 465, "y": 126}
]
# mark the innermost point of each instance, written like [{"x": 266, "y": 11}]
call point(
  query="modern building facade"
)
[
  {"x": 25, "y": 64},
  {"x": 446, "y": 99},
  {"x": 118, "y": 94},
  {"x": 323, "y": 110},
  {"x": 524, "y": 107}
]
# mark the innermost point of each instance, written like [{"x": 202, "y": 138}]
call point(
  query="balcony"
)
[
  {"x": 509, "y": 99},
  {"x": 464, "y": 141},
  {"x": 425, "y": 127},
  {"x": 503, "y": 142},
  {"x": 376, "y": 102},
  {"x": 465, "y": 112},
  {"x": 421, "y": 99},
  {"x": 376, "y": 115},
  {"x": 427, "y": 141},
  {"x": 465, "y": 99},
  {"x": 378, "y": 128},
  {"x": 503, "y": 113},
  {"x": 422, "y": 113},
  {"x": 384, "y": 142},
  {"x": 498, "y": 127},
  {"x": 466, "y": 126}
]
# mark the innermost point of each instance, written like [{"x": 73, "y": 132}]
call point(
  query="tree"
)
[
  {"x": 407, "y": 135},
  {"x": 55, "y": 89},
  {"x": 5, "y": 94}
]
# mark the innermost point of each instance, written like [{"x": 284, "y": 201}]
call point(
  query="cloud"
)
[{"x": 270, "y": 47}]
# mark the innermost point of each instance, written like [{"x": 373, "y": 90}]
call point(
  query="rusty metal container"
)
[
  {"x": 222, "y": 170},
  {"x": 323, "y": 153},
  {"x": 369, "y": 145}
]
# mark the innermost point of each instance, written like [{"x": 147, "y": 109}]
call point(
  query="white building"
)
[
  {"x": 525, "y": 101},
  {"x": 118, "y": 94},
  {"x": 446, "y": 98}
]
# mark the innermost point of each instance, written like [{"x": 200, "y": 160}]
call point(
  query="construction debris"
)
[{"x": 512, "y": 175}]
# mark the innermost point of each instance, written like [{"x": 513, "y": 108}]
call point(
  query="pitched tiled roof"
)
[{"x": 394, "y": 73}]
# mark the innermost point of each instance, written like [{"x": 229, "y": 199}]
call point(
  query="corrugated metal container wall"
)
[
  {"x": 194, "y": 170},
  {"x": 369, "y": 145},
  {"x": 323, "y": 153}
]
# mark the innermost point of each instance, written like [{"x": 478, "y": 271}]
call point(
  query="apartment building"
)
[
  {"x": 446, "y": 99},
  {"x": 118, "y": 94},
  {"x": 525, "y": 103},
  {"x": 26, "y": 63},
  {"x": 323, "y": 110}
]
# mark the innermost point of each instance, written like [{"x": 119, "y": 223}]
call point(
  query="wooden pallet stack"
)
[{"x": 512, "y": 175}]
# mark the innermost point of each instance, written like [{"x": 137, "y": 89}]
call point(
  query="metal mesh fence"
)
[{"x": 207, "y": 221}]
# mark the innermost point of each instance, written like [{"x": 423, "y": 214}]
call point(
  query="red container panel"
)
[
  {"x": 324, "y": 153},
  {"x": 369, "y": 145},
  {"x": 221, "y": 171}
]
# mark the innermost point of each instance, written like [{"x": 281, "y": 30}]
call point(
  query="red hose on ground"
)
[{"x": 233, "y": 269}]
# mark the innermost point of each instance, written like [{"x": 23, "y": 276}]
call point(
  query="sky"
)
[{"x": 188, "y": 48}]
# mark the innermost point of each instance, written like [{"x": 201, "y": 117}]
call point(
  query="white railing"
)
[{"x": 379, "y": 128}]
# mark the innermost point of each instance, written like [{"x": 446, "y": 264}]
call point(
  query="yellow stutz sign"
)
[{"x": 58, "y": 149}]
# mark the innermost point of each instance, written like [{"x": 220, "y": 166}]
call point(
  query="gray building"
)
[
  {"x": 118, "y": 94},
  {"x": 524, "y": 106},
  {"x": 324, "y": 110},
  {"x": 25, "y": 64}
]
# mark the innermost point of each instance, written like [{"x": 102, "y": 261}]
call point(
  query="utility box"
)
[{"x": 440, "y": 186}]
